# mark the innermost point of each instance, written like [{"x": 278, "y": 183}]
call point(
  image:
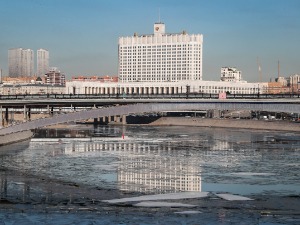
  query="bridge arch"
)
[{"x": 151, "y": 107}]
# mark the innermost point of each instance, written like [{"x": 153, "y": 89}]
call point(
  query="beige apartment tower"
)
[
  {"x": 20, "y": 62},
  {"x": 42, "y": 63}
]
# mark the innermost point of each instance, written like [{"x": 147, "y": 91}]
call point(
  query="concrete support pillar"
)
[
  {"x": 124, "y": 119},
  {"x": 6, "y": 115},
  {"x": 1, "y": 117},
  {"x": 101, "y": 120},
  {"x": 106, "y": 119},
  {"x": 24, "y": 113},
  {"x": 29, "y": 113}
]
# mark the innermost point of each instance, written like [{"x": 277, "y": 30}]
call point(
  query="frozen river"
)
[{"x": 139, "y": 160}]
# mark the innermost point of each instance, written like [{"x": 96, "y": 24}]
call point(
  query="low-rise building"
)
[
  {"x": 24, "y": 89},
  {"x": 230, "y": 74},
  {"x": 55, "y": 77},
  {"x": 214, "y": 87},
  {"x": 293, "y": 83}
]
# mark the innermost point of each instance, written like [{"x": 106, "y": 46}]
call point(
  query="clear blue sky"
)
[{"x": 82, "y": 35}]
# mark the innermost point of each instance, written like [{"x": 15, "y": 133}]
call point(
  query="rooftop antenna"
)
[
  {"x": 159, "y": 15},
  {"x": 259, "y": 70},
  {"x": 278, "y": 69}
]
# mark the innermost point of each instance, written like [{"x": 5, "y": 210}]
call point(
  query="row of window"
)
[
  {"x": 227, "y": 88},
  {"x": 163, "y": 63},
  {"x": 174, "y": 51},
  {"x": 178, "y": 57},
  {"x": 159, "y": 46}
]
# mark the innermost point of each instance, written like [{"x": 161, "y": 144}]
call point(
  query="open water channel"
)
[{"x": 63, "y": 175}]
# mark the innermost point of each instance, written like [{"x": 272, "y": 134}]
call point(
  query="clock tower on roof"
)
[{"x": 159, "y": 28}]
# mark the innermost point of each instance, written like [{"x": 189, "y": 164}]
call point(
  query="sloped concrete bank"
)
[
  {"x": 15, "y": 137},
  {"x": 228, "y": 123}
]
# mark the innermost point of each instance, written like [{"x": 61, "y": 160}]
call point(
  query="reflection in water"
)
[
  {"x": 13, "y": 149},
  {"x": 9, "y": 188},
  {"x": 148, "y": 167},
  {"x": 164, "y": 159}
]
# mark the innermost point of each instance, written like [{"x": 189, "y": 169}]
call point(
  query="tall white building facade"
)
[
  {"x": 42, "y": 62},
  {"x": 20, "y": 62},
  {"x": 160, "y": 57}
]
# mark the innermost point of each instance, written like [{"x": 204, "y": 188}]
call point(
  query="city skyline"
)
[
  {"x": 82, "y": 36},
  {"x": 21, "y": 62}
]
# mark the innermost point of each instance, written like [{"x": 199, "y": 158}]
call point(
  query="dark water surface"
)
[{"x": 69, "y": 171}]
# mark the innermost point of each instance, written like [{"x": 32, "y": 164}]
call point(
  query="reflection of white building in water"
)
[{"x": 148, "y": 167}]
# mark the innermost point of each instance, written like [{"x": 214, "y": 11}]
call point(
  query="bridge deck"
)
[{"x": 169, "y": 105}]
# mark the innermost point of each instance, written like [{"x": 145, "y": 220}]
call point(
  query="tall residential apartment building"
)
[
  {"x": 20, "y": 62},
  {"x": 42, "y": 62},
  {"x": 160, "y": 57}
]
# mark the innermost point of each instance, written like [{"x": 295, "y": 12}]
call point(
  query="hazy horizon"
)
[{"x": 82, "y": 36}]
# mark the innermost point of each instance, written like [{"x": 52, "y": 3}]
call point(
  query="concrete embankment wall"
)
[
  {"x": 228, "y": 123},
  {"x": 15, "y": 137}
]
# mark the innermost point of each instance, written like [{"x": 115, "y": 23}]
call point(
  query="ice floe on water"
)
[
  {"x": 163, "y": 204},
  {"x": 253, "y": 174},
  {"x": 180, "y": 195},
  {"x": 172, "y": 196},
  {"x": 231, "y": 197},
  {"x": 189, "y": 212}
]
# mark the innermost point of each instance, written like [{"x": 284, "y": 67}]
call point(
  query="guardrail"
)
[{"x": 147, "y": 96}]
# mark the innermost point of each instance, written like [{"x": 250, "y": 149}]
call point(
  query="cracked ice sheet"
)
[
  {"x": 231, "y": 197},
  {"x": 179, "y": 195},
  {"x": 188, "y": 212},
  {"x": 163, "y": 204}
]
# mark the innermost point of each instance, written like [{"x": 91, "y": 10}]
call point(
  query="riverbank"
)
[
  {"x": 8, "y": 139},
  {"x": 274, "y": 125}
]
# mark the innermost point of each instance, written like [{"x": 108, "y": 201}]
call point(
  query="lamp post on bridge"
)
[{"x": 187, "y": 91}]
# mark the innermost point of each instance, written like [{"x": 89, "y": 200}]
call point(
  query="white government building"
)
[
  {"x": 162, "y": 63},
  {"x": 160, "y": 57}
]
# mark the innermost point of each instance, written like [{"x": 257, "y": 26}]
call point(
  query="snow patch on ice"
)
[
  {"x": 189, "y": 212},
  {"x": 180, "y": 195},
  {"x": 231, "y": 197},
  {"x": 163, "y": 204}
]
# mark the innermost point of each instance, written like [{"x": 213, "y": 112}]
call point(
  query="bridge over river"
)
[{"x": 121, "y": 107}]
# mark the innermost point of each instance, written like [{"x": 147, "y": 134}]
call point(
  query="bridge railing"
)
[{"x": 148, "y": 96}]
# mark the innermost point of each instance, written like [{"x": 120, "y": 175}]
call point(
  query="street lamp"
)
[{"x": 187, "y": 91}]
